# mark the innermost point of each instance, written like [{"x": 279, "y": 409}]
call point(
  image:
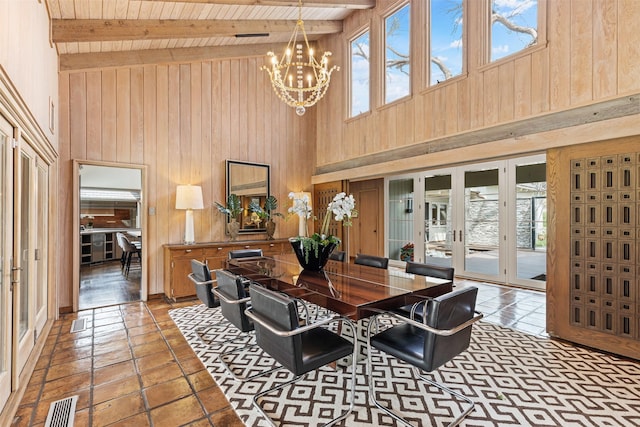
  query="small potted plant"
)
[
  {"x": 266, "y": 214},
  {"x": 233, "y": 209}
]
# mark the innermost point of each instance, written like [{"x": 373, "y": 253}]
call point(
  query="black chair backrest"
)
[
  {"x": 244, "y": 253},
  {"x": 372, "y": 261},
  {"x": 446, "y": 312},
  {"x": 338, "y": 256},
  {"x": 429, "y": 270},
  {"x": 280, "y": 311},
  {"x": 232, "y": 287},
  {"x": 201, "y": 273}
]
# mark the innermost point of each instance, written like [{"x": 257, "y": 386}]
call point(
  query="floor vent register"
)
[
  {"x": 62, "y": 412},
  {"x": 78, "y": 325}
]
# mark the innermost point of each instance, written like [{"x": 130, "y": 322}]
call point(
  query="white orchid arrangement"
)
[
  {"x": 341, "y": 208},
  {"x": 301, "y": 206}
]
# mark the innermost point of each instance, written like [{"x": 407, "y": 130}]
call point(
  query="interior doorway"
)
[{"x": 110, "y": 226}]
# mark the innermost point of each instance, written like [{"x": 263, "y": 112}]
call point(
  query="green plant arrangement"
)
[
  {"x": 233, "y": 209},
  {"x": 266, "y": 214},
  {"x": 313, "y": 252}
]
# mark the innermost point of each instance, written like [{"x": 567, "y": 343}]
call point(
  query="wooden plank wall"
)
[
  {"x": 182, "y": 121},
  {"x": 589, "y": 55}
]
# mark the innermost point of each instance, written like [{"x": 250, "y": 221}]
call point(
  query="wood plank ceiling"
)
[{"x": 102, "y": 33}]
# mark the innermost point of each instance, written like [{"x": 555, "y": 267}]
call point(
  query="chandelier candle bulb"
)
[{"x": 299, "y": 96}]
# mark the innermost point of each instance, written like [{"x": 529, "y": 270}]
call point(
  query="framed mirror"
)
[{"x": 251, "y": 183}]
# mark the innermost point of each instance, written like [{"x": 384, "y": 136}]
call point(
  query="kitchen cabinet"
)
[
  {"x": 177, "y": 261},
  {"x": 97, "y": 246}
]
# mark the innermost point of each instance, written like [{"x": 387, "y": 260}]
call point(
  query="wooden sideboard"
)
[{"x": 177, "y": 260}]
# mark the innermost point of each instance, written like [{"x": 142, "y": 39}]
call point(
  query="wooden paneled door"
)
[
  {"x": 367, "y": 233},
  {"x": 323, "y": 194}
]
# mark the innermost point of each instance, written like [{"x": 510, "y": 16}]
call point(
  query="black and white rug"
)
[{"x": 515, "y": 379}]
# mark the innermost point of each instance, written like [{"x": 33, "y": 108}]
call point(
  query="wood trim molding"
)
[
  {"x": 98, "y": 30},
  {"x": 92, "y": 61},
  {"x": 347, "y": 4},
  {"x": 607, "y": 110}
]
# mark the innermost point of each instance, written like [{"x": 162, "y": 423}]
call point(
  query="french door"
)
[
  {"x": 6, "y": 248},
  {"x": 23, "y": 254},
  {"x": 486, "y": 220}
]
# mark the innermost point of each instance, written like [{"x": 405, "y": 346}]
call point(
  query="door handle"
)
[{"x": 15, "y": 277}]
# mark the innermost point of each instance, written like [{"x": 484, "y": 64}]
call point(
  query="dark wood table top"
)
[{"x": 346, "y": 288}]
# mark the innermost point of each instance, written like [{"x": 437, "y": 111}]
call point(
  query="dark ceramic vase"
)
[{"x": 309, "y": 260}]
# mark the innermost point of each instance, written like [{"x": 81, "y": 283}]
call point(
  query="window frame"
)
[
  {"x": 427, "y": 52},
  {"x": 383, "y": 51},
  {"x": 541, "y": 29},
  {"x": 356, "y": 35}
]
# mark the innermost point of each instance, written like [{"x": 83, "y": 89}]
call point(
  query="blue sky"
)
[{"x": 446, "y": 45}]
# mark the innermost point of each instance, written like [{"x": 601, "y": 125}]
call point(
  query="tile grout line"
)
[
  {"x": 147, "y": 407},
  {"x": 184, "y": 374}
]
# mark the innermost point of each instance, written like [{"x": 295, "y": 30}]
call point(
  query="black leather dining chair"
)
[
  {"x": 245, "y": 253},
  {"x": 429, "y": 270},
  {"x": 201, "y": 277},
  {"x": 426, "y": 345},
  {"x": 372, "y": 261},
  {"x": 338, "y": 256},
  {"x": 234, "y": 300},
  {"x": 299, "y": 348}
]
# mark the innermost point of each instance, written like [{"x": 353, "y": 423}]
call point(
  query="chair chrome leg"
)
[
  {"x": 446, "y": 389},
  {"x": 250, "y": 377},
  {"x": 260, "y": 395},
  {"x": 391, "y": 413},
  {"x": 343, "y": 415}
]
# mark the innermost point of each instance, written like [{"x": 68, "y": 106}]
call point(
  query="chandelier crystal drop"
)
[{"x": 297, "y": 77}]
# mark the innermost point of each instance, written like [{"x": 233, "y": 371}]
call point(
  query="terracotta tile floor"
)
[{"x": 132, "y": 367}]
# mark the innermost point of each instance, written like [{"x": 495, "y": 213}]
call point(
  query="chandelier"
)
[{"x": 297, "y": 77}]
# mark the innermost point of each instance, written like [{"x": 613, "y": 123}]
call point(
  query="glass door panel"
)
[
  {"x": 41, "y": 242},
  {"x": 23, "y": 248},
  {"x": 481, "y": 228},
  {"x": 400, "y": 241},
  {"x": 5, "y": 263},
  {"x": 530, "y": 222},
  {"x": 438, "y": 219}
]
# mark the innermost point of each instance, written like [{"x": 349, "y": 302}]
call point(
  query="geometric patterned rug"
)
[{"x": 515, "y": 379}]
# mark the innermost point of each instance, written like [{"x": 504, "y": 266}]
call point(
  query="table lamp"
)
[{"x": 189, "y": 197}]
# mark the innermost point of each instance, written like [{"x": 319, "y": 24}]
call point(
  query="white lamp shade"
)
[{"x": 189, "y": 197}]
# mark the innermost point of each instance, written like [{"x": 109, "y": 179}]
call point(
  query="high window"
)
[
  {"x": 396, "y": 54},
  {"x": 446, "y": 24},
  {"x": 360, "y": 72},
  {"x": 514, "y": 26}
]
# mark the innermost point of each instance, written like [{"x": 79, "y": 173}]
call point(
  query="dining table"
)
[{"x": 352, "y": 290}]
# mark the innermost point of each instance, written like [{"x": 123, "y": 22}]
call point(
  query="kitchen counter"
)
[{"x": 132, "y": 231}]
